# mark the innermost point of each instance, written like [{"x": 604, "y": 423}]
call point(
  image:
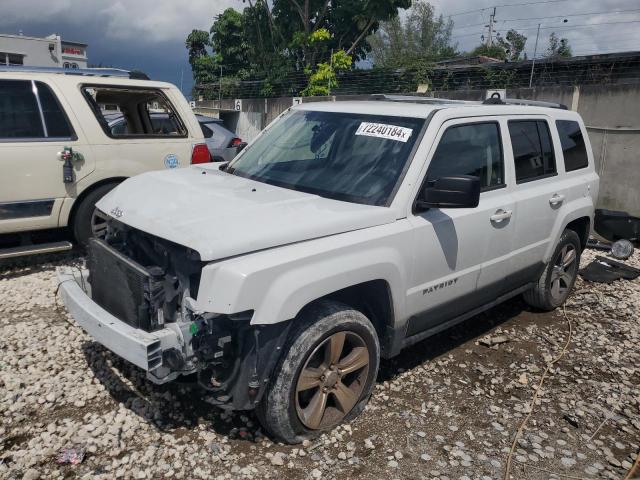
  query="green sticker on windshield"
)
[{"x": 381, "y": 130}]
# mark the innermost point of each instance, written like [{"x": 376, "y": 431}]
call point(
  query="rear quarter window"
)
[
  {"x": 574, "y": 149},
  {"x": 146, "y": 112}
]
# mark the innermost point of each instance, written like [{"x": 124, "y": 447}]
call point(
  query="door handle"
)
[
  {"x": 556, "y": 199},
  {"x": 501, "y": 215}
]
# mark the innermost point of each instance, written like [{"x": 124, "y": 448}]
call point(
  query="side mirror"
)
[{"x": 460, "y": 191}]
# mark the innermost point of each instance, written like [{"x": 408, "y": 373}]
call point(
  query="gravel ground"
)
[{"x": 447, "y": 408}]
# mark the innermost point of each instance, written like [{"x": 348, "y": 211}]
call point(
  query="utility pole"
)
[
  {"x": 535, "y": 52},
  {"x": 220, "y": 89},
  {"x": 492, "y": 20}
]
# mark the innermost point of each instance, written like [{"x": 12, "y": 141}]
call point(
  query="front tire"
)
[
  {"x": 325, "y": 375},
  {"x": 555, "y": 284},
  {"x": 85, "y": 221}
]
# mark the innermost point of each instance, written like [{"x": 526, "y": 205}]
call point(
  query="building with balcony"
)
[{"x": 50, "y": 51}]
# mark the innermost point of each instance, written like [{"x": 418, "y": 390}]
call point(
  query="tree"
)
[
  {"x": 197, "y": 42},
  {"x": 420, "y": 38},
  {"x": 228, "y": 42},
  {"x": 494, "y": 51},
  {"x": 513, "y": 44},
  {"x": 271, "y": 38},
  {"x": 558, "y": 47}
]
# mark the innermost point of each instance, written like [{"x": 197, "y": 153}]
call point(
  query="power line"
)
[
  {"x": 504, "y": 5},
  {"x": 556, "y": 27},
  {"x": 553, "y": 16}
]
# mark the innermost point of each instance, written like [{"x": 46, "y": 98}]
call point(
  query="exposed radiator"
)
[{"x": 124, "y": 288}]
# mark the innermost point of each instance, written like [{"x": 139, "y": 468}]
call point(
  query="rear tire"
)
[
  {"x": 84, "y": 214},
  {"x": 299, "y": 406},
  {"x": 555, "y": 284}
]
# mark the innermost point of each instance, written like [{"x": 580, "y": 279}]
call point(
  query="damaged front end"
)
[{"x": 141, "y": 301}]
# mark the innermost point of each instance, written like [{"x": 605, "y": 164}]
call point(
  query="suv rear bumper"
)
[{"x": 143, "y": 349}]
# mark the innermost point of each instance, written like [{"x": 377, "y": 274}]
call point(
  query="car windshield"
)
[{"x": 344, "y": 156}]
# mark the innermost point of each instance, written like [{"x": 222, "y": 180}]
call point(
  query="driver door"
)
[{"x": 461, "y": 255}]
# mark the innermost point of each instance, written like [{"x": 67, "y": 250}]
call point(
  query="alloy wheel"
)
[
  {"x": 98, "y": 224},
  {"x": 332, "y": 380},
  {"x": 563, "y": 273}
]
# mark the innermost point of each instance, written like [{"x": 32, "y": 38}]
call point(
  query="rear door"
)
[
  {"x": 153, "y": 133},
  {"x": 36, "y": 124},
  {"x": 539, "y": 192},
  {"x": 462, "y": 255}
]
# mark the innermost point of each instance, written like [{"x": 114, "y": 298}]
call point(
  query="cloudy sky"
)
[{"x": 149, "y": 34}]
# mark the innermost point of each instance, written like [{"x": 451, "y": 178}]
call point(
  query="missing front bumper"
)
[
  {"x": 244, "y": 372},
  {"x": 143, "y": 349}
]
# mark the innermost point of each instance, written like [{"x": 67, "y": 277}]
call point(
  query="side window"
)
[
  {"x": 27, "y": 107},
  {"x": 146, "y": 112},
  {"x": 54, "y": 117},
  {"x": 532, "y": 149},
  {"x": 206, "y": 131},
  {"x": 573, "y": 147},
  {"x": 472, "y": 149},
  {"x": 19, "y": 112}
]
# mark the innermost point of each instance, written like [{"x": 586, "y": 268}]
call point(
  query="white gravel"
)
[{"x": 446, "y": 408}]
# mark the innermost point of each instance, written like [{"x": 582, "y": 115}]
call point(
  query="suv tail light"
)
[
  {"x": 235, "y": 142},
  {"x": 200, "y": 154}
]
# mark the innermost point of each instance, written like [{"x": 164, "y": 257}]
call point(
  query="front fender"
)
[{"x": 277, "y": 283}]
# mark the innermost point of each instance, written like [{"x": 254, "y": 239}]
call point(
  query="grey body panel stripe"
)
[{"x": 26, "y": 209}]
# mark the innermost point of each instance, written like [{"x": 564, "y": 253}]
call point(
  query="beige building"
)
[{"x": 50, "y": 51}]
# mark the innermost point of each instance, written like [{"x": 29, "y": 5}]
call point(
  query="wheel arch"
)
[
  {"x": 78, "y": 200},
  {"x": 582, "y": 227},
  {"x": 374, "y": 299},
  {"x": 578, "y": 219}
]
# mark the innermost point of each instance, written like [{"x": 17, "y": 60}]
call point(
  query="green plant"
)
[{"x": 324, "y": 78}]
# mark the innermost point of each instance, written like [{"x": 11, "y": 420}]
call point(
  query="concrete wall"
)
[{"x": 611, "y": 113}]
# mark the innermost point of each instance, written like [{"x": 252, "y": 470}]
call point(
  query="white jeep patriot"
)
[{"x": 344, "y": 232}]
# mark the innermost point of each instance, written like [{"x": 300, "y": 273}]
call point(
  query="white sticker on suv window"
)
[{"x": 380, "y": 130}]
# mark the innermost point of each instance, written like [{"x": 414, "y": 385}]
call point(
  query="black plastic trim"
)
[
  {"x": 476, "y": 301},
  {"x": 26, "y": 209},
  {"x": 417, "y": 337}
]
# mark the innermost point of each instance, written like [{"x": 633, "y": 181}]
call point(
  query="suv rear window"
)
[
  {"x": 29, "y": 110},
  {"x": 573, "y": 147},
  {"x": 144, "y": 112},
  {"x": 532, "y": 150}
]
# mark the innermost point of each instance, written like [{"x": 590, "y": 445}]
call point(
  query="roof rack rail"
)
[
  {"x": 522, "y": 101},
  {"x": 418, "y": 99},
  {"x": 93, "y": 72}
]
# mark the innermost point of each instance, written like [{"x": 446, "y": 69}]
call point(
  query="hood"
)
[{"x": 221, "y": 215}]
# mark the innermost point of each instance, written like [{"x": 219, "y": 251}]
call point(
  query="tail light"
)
[
  {"x": 200, "y": 154},
  {"x": 235, "y": 142}
]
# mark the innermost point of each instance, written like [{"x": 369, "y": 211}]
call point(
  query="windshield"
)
[{"x": 344, "y": 156}]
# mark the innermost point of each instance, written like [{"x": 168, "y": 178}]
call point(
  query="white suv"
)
[
  {"x": 345, "y": 232},
  {"x": 58, "y": 156}
]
